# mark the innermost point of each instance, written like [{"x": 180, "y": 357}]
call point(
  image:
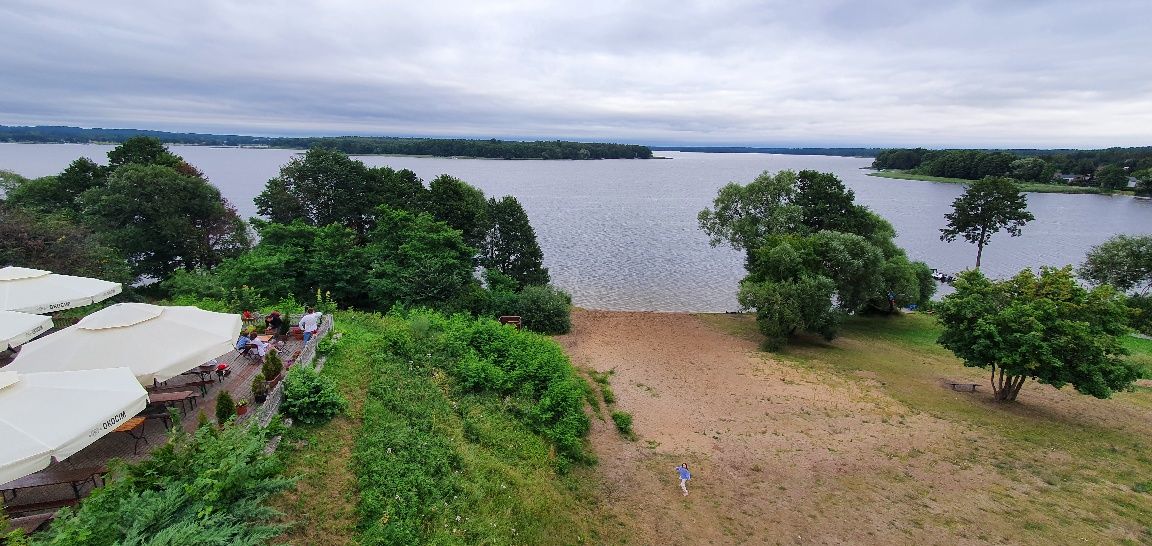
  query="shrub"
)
[
  {"x": 225, "y": 407},
  {"x": 543, "y": 309},
  {"x": 623, "y": 422},
  {"x": 310, "y": 398},
  {"x": 606, "y": 391},
  {"x": 210, "y": 487},
  {"x": 273, "y": 365},
  {"x": 259, "y": 385}
]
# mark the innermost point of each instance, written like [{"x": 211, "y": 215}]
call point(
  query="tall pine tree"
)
[{"x": 510, "y": 245}]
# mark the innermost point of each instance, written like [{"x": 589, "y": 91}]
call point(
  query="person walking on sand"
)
[{"x": 685, "y": 475}]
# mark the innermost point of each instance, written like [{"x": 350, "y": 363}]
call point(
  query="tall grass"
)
[{"x": 446, "y": 450}]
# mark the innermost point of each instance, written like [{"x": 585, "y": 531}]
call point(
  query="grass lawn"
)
[
  {"x": 1034, "y": 188},
  {"x": 1064, "y": 464}
]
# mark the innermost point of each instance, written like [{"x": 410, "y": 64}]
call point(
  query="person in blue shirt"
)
[{"x": 685, "y": 475}]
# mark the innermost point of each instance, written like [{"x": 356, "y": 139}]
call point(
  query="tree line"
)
[
  {"x": 353, "y": 145},
  {"x": 1107, "y": 169},
  {"x": 372, "y": 238}
]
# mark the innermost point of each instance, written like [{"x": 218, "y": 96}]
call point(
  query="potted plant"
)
[
  {"x": 241, "y": 407},
  {"x": 225, "y": 407},
  {"x": 272, "y": 367},
  {"x": 259, "y": 388}
]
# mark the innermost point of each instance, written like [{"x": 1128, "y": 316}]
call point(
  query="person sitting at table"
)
[
  {"x": 260, "y": 345},
  {"x": 273, "y": 322},
  {"x": 243, "y": 345}
]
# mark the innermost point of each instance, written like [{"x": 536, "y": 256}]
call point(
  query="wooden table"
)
[
  {"x": 267, "y": 338},
  {"x": 168, "y": 397},
  {"x": 74, "y": 477},
  {"x": 135, "y": 428}
]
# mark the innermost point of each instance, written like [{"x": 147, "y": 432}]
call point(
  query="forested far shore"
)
[
  {"x": 353, "y": 145},
  {"x": 1108, "y": 169}
]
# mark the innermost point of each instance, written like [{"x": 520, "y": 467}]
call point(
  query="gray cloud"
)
[{"x": 831, "y": 72}]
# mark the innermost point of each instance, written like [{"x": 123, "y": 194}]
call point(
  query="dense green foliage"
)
[
  {"x": 1045, "y": 327},
  {"x": 987, "y": 207},
  {"x": 310, "y": 398},
  {"x": 510, "y": 245},
  {"x": 157, "y": 212},
  {"x": 1123, "y": 261},
  {"x": 207, "y": 488},
  {"x": 225, "y": 407},
  {"x": 57, "y": 244},
  {"x": 491, "y": 148},
  {"x": 813, "y": 254},
  {"x": 445, "y": 433},
  {"x": 1107, "y": 169}
]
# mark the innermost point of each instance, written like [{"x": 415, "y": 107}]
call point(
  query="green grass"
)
[
  {"x": 1019, "y": 441},
  {"x": 1034, "y": 188},
  {"x": 422, "y": 462},
  {"x": 1141, "y": 352}
]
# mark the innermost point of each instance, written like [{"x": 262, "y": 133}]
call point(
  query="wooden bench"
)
[{"x": 970, "y": 387}]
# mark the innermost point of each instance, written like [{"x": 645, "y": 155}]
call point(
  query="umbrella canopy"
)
[
  {"x": 55, "y": 414},
  {"x": 17, "y": 328},
  {"x": 156, "y": 342},
  {"x": 39, "y": 291}
]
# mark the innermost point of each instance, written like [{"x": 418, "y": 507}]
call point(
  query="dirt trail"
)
[{"x": 780, "y": 454}]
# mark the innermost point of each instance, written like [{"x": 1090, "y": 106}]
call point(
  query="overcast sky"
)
[{"x": 1002, "y": 73}]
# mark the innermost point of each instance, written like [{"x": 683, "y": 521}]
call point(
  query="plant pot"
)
[
  {"x": 241, "y": 410},
  {"x": 260, "y": 398}
]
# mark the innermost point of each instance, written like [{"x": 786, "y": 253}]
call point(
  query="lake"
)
[{"x": 622, "y": 234}]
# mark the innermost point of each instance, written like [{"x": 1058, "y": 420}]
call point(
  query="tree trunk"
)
[
  {"x": 979, "y": 252},
  {"x": 1006, "y": 387}
]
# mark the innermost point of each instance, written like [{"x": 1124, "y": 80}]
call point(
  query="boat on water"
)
[{"x": 942, "y": 277}]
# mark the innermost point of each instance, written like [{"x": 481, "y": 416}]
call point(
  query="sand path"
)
[{"x": 780, "y": 454}]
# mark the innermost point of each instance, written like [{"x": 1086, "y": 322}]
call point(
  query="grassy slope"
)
[
  {"x": 1035, "y": 188},
  {"x": 500, "y": 486},
  {"x": 1089, "y": 475}
]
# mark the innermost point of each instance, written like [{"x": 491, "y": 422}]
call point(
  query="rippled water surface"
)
[{"x": 622, "y": 234}]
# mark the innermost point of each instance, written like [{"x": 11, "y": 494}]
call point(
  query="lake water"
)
[{"x": 622, "y": 234}]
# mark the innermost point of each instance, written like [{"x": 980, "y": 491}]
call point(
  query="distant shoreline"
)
[{"x": 1029, "y": 188}]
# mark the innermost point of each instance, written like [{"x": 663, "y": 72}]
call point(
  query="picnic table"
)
[
  {"x": 961, "y": 386},
  {"x": 135, "y": 428},
  {"x": 168, "y": 397},
  {"x": 75, "y": 477}
]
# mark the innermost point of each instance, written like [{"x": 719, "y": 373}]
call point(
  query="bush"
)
[
  {"x": 225, "y": 407},
  {"x": 623, "y": 422},
  {"x": 543, "y": 309},
  {"x": 310, "y": 398},
  {"x": 208, "y": 488},
  {"x": 273, "y": 365},
  {"x": 259, "y": 386}
]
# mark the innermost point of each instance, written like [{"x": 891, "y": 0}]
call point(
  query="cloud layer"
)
[{"x": 773, "y": 73}]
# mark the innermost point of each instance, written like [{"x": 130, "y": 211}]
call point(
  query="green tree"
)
[
  {"x": 54, "y": 243},
  {"x": 416, "y": 260},
  {"x": 510, "y": 245},
  {"x": 1032, "y": 169},
  {"x": 143, "y": 151},
  {"x": 1143, "y": 182},
  {"x": 1124, "y": 261},
  {"x": 812, "y": 253},
  {"x": 1047, "y": 328},
  {"x": 1111, "y": 177},
  {"x": 162, "y": 220},
  {"x": 326, "y": 187},
  {"x": 986, "y": 207},
  {"x": 461, "y": 206},
  {"x": 58, "y": 194}
]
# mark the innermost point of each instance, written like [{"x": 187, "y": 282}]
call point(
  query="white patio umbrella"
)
[
  {"x": 156, "y": 342},
  {"x": 38, "y": 291},
  {"x": 45, "y": 416},
  {"x": 17, "y": 328}
]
